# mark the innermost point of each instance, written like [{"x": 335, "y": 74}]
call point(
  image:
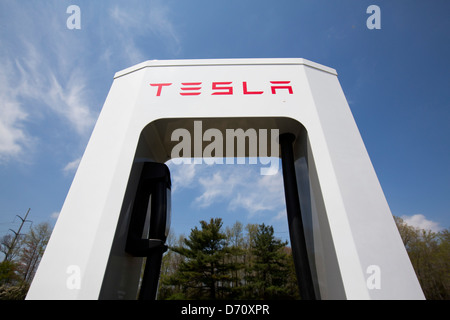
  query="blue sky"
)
[{"x": 54, "y": 80}]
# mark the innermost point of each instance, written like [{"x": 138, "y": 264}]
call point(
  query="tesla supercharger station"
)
[{"x": 353, "y": 248}]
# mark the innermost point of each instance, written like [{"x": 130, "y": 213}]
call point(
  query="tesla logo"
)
[{"x": 222, "y": 88}]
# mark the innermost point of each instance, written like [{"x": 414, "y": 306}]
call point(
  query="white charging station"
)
[{"x": 353, "y": 245}]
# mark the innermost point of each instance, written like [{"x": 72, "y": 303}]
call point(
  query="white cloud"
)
[
  {"x": 69, "y": 102},
  {"x": 44, "y": 80},
  {"x": 259, "y": 193},
  {"x": 43, "y": 65},
  {"x": 38, "y": 78},
  {"x": 140, "y": 20},
  {"x": 236, "y": 187},
  {"x": 280, "y": 216},
  {"x": 54, "y": 215},
  {"x": 419, "y": 221},
  {"x": 13, "y": 137},
  {"x": 72, "y": 166},
  {"x": 182, "y": 175},
  {"x": 215, "y": 188},
  {"x": 162, "y": 25}
]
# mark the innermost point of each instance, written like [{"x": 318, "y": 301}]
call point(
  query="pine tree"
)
[
  {"x": 269, "y": 270},
  {"x": 206, "y": 272}
]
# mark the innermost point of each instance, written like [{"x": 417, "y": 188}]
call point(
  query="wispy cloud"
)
[
  {"x": 13, "y": 137},
  {"x": 281, "y": 215},
  {"x": 216, "y": 188},
  {"x": 55, "y": 215},
  {"x": 236, "y": 187},
  {"x": 37, "y": 79},
  {"x": 43, "y": 65},
  {"x": 182, "y": 176},
  {"x": 162, "y": 25},
  {"x": 72, "y": 166},
  {"x": 142, "y": 20},
  {"x": 48, "y": 81},
  {"x": 69, "y": 101},
  {"x": 260, "y": 193}
]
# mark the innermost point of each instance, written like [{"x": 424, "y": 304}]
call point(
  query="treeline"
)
[
  {"x": 229, "y": 263},
  {"x": 429, "y": 253},
  {"x": 22, "y": 254},
  {"x": 217, "y": 263},
  {"x": 213, "y": 263}
]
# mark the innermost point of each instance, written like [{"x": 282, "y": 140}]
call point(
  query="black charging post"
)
[
  {"x": 296, "y": 230},
  {"x": 151, "y": 205}
]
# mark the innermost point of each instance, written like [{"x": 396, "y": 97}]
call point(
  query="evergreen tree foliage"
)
[
  {"x": 270, "y": 266},
  {"x": 206, "y": 271},
  {"x": 227, "y": 265},
  {"x": 236, "y": 263}
]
